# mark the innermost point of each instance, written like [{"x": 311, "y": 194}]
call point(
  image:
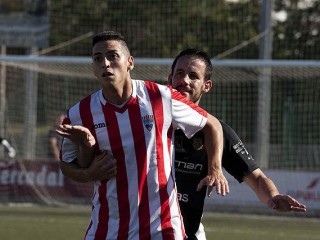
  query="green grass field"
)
[{"x": 49, "y": 223}]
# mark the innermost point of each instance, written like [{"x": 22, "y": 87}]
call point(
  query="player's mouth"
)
[
  {"x": 107, "y": 74},
  {"x": 183, "y": 90}
]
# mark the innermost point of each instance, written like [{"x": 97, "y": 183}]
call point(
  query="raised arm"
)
[
  {"x": 214, "y": 146},
  {"x": 82, "y": 137},
  {"x": 268, "y": 193}
]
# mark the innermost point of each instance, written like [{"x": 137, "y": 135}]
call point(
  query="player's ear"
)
[
  {"x": 207, "y": 86},
  {"x": 130, "y": 63},
  {"x": 170, "y": 79}
]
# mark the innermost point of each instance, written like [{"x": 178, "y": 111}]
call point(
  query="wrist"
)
[{"x": 214, "y": 169}]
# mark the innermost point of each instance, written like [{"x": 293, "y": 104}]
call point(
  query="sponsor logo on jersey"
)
[
  {"x": 188, "y": 166},
  {"x": 197, "y": 143},
  {"x": 239, "y": 147},
  {"x": 148, "y": 121},
  {"x": 100, "y": 125},
  {"x": 183, "y": 197}
]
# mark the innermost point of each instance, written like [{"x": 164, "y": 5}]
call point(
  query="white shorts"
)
[{"x": 201, "y": 235}]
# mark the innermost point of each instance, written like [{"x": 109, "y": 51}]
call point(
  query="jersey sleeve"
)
[
  {"x": 236, "y": 160},
  {"x": 69, "y": 150},
  {"x": 186, "y": 115}
]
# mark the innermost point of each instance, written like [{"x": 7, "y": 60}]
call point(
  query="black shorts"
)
[{"x": 191, "y": 220}]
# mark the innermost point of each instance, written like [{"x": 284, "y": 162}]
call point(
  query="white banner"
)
[{"x": 303, "y": 186}]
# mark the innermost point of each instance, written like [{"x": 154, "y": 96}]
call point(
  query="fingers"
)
[
  {"x": 219, "y": 187},
  {"x": 104, "y": 166},
  {"x": 62, "y": 130},
  {"x": 209, "y": 190},
  {"x": 202, "y": 183},
  {"x": 80, "y": 135},
  {"x": 298, "y": 209},
  {"x": 285, "y": 203},
  {"x": 294, "y": 202},
  {"x": 101, "y": 156},
  {"x": 295, "y": 205},
  {"x": 221, "y": 184},
  {"x": 205, "y": 181}
]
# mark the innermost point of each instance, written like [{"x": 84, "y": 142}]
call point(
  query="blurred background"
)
[{"x": 266, "y": 57}]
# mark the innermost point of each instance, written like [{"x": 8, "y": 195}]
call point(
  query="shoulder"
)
[
  {"x": 152, "y": 84},
  {"x": 228, "y": 131},
  {"x": 154, "y": 89},
  {"x": 87, "y": 99},
  {"x": 83, "y": 107}
]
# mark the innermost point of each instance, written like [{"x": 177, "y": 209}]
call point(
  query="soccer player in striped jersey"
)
[
  {"x": 191, "y": 72},
  {"x": 134, "y": 121}
]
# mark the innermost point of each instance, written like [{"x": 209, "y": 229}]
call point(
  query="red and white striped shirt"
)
[{"x": 141, "y": 201}]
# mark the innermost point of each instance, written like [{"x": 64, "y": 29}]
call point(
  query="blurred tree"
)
[
  {"x": 162, "y": 28},
  {"x": 297, "y": 36}
]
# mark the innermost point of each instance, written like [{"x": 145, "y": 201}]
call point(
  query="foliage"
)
[{"x": 162, "y": 28}]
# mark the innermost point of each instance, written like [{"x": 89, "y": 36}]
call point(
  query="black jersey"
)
[{"x": 191, "y": 165}]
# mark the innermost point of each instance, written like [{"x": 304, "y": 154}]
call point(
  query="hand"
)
[
  {"x": 286, "y": 203},
  {"x": 103, "y": 167},
  {"x": 79, "y": 135},
  {"x": 215, "y": 179}
]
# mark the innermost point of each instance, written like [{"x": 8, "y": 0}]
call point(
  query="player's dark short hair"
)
[
  {"x": 109, "y": 35},
  {"x": 197, "y": 54}
]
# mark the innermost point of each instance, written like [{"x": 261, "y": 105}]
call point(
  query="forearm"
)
[
  {"x": 263, "y": 186},
  {"x": 79, "y": 141},
  {"x": 213, "y": 144},
  {"x": 267, "y": 190},
  {"x": 85, "y": 156},
  {"x": 75, "y": 172}
]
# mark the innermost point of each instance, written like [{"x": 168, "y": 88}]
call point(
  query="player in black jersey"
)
[{"x": 191, "y": 74}]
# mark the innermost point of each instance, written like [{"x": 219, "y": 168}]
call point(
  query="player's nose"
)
[{"x": 105, "y": 62}]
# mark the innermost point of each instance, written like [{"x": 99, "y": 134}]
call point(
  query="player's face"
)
[
  {"x": 111, "y": 62},
  {"x": 188, "y": 78}
]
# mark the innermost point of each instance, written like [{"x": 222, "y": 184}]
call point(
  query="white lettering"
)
[
  {"x": 20, "y": 178},
  {"x": 52, "y": 179},
  {"x": 13, "y": 176},
  {"x": 44, "y": 177},
  {"x": 183, "y": 197},
  {"x": 186, "y": 165},
  {"x": 61, "y": 178},
  {"x": 40, "y": 179},
  {"x": 30, "y": 178},
  {"x": 4, "y": 177}
]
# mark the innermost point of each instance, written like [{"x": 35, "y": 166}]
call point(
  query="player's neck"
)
[{"x": 118, "y": 94}]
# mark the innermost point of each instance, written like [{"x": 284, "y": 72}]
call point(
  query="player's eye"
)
[
  {"x": 193, "y": 76},
  {"x": 179, "y": 73},
  {"x": 113, "y": 56},
  {"x": 97, "y": 58}
]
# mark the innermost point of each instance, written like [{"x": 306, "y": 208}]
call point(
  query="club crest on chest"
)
[
  {"x": 148, "y": 121},
  {"x": 197, "y": 143}
]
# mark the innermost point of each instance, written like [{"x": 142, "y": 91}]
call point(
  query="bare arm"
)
[
  {"x": 264, "y": 187},
  {"x": 268, "y": 193},
  {"x": 214, "y": 147},
  {"x": 103, "y": 167},
  {"x": 82, "y": 137}
]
